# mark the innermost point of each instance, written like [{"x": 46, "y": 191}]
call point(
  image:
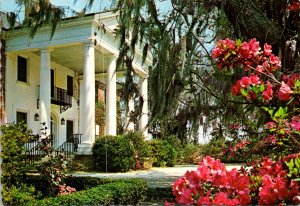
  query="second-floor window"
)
[
  {"x": 22, "y": 69},
  {"x": 70, "y": 85}
]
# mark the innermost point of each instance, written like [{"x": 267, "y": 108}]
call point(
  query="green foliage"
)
[
  {"x": 213, "y": 148},
  {"x": 174, "y": 141},
  {"x": 13, "y": 138},
  {"x": 294, "y": 168},
  {"x": 83, "y": 183},
  {"x": 140, "y": 145},
  {"x": 115, "y": 152},
  {"x": 39, "y": 13},
  {"x": 193, "y": 153},
  {"x": 18, "y": 195},
  {"x": 159, "y": 193},
  {"x": 190, "y": 154},
  {"x": 119, "y": 192},
  {"x": 80, "y": 183},
  {"x": 163, "y": 153}
]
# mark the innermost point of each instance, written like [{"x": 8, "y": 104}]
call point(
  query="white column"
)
[
  {"x": 45, "y": 88},
  {"x": 111, "y": 99},
  {"x": 87, "y": 98},
  {"x": 144, "y": 116},
  {"x": 129, "y": 124}
]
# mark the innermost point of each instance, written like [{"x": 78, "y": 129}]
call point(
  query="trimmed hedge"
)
[
  {"x": 79, "y": 183},
  {"x": 120, "y": 192},
  {"x": 163, "y": 153},
  {"x": 118, "y": 152}
]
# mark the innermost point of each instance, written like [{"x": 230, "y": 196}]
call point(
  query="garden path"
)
[{"x": 156, "y": 176}]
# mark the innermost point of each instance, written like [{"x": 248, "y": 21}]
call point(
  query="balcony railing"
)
[{"x": 60, "y": 97}]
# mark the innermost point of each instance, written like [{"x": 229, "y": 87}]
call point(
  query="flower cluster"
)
[
  {"x": 274, "y": 185},
  {"x": 294, "y": 6},
  {"x": 283, "y": 127},
  {"x": 239, "y": 146},
  {"x": 65, "y": 190},
  {"x": 261, "y": 65},
  {"x": 230, "y": 54},
  {"x": 290, "y": 85},
  {"x": 212, "y": 184}
]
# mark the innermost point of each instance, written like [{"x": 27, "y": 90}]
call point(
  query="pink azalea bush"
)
[
  {"x": 212, "y": 184},
  {"x": 265, "y": 181},
  {"x": 65, "y": 190}
]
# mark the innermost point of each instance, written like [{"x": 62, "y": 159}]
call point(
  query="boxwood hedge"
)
[{"x": 125, "y": 191}]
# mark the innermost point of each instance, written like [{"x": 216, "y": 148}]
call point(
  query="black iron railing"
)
[
  {"x": 60, "y": 97},
  {"x": 35, "y": 151},
  {"x": 70, "y": 145}
]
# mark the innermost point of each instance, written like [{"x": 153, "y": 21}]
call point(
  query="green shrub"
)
[
  {"x": 159, "y": 193},
  {"x": 119, "y": 192},
  {"x": 79, "y": 183},
  {"x": 163, "y": 153},
  {"x": 114, "y": 152},
  {"x": 174, "y": 141},
  {"x": 140, "y": 145},
  {"x": 83, "y": 183},
  {"x": 13, "y": 139},
  {"x": 18, "y": 195},
  {"x": 213, "y": 148},
  {"x": 190, "y": 154},
  {"x": 193, "y": 153}
]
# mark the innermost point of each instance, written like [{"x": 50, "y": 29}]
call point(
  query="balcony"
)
[{"x": 61, "y": 97}]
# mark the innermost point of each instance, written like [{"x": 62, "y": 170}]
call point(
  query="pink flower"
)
[
  {"x": 204, "y": 200},
  {"x": 185, "y": 197},
  {"x": 295, "y": 123},
  {"x": 193, "y": 178},
  {"x": 260, "y": 68},
  {"x": 254, "y": 46},
  {"x": 270, "y": 139},
  {"x": 245, "y": 82},
  {"x": 216, "y": 52},
  {"x": 291, "y": 81},
  {"x": 236, "y": 88},
  {"x": 254, "y": 79},
  {"x": 267, "y": 49},
  {"x": 294, "y": 6},
  {"x": 273, "y": 190},
  {"x": 167, "y": 203},
  {"x": 274, "y": 60},
  {"x": 268, "y": 93},
  {"x": 285, "y": 92}
]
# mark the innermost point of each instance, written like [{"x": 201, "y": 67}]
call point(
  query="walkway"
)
[{"x": 156, "y": 176}]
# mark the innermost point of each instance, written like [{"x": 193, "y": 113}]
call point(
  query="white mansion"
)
[{"x": 53, "y": 81}]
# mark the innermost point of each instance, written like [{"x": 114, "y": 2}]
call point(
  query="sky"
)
[{"x": 10, "y": 5}]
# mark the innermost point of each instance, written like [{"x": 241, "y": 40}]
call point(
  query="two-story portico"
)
[{"x": 53, "y": 81}]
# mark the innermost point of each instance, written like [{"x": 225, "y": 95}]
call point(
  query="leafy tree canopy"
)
[{"x": 182, "y": 83}]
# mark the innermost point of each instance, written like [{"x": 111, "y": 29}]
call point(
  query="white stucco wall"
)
[{"x": 23, "y": 96}]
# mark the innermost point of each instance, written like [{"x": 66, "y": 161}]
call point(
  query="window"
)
[
  {"x": 22, "y": 69},
  {"x": 22, "y": 117},
  {"x": 70, "y": 85}
]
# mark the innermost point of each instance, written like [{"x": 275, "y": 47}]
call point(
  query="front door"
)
[{"x": 70, "y": 131}]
